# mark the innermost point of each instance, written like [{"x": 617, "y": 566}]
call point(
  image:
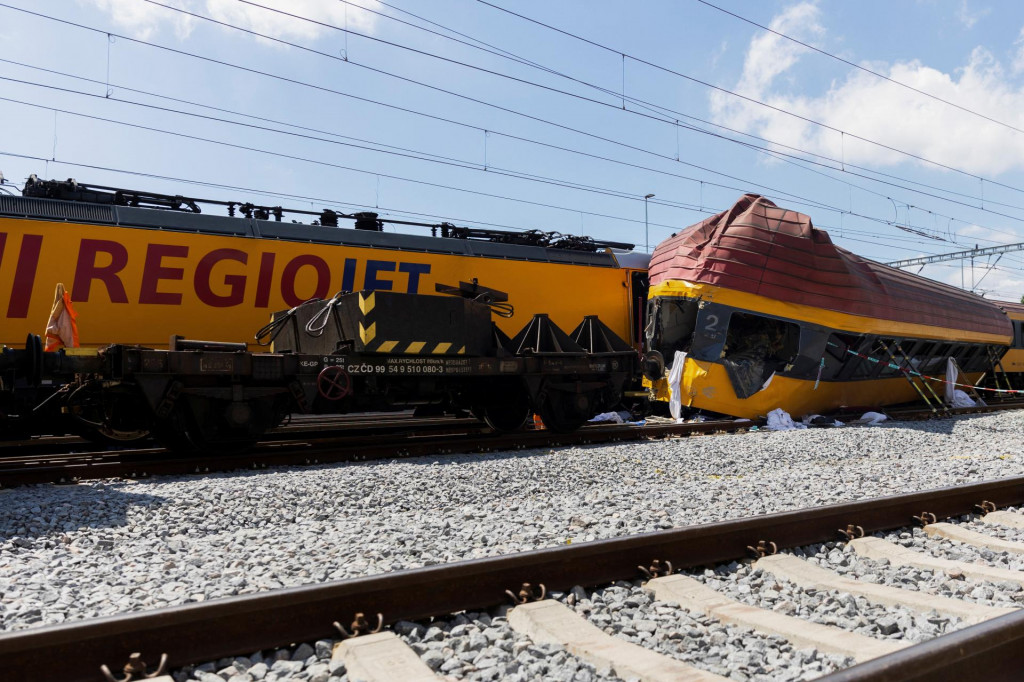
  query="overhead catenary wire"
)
[
  {"x": 778, "y": 192},
  {"x": 386, "y": 210},
  {"x": 490, "y": 48},
  {"x": 406, "y": 152},
  {"x": 752, "y": 100},
  {"x": 401, "y": 151},
  {"x": 605, "y": 90},
  {"x": 810, "y": 202},
  {"x": 838, "y": 165},
  {"x": 861, "y": 67}
]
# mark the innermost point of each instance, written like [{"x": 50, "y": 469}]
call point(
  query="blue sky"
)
[{"x": 415, "y": 125}]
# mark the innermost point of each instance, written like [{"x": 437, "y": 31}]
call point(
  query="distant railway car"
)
[
  {"x": 140, "y": 267},
  {"x": 1013, "y": 362},
  {"x": 770, "y": 314}
]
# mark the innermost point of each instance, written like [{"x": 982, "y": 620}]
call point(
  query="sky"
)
[{"x": 898, "y": 127}]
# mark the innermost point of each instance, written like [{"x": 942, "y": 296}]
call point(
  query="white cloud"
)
[
  {"x": 1018, "y": 58},
  {"x": 872, "y": 108},
  {"x": 969, "y": 18},
  {"x": 280, "y": 26},
  {"x": 143, "y": 20},
  {"x": 969, "y": 235},
  {"x": 1004, "y": 282},
  {"x": 771, "y": 55}
]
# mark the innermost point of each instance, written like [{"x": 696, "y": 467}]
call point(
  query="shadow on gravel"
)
[
  {"x": 41, "y": 511},
  {"x": 944, "y": 426}
]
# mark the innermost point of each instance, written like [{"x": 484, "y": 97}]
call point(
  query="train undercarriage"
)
[{"x": 358, "y": 352}]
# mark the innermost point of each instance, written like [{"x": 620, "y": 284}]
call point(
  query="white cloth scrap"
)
[
  {"x": 873, "y": 418},
  {"x": 675, "y": 375},
  {"x": 951, "y": 376},
  {"x": 615, "y": 417},
  {"x": 829, "y": 421},
  {"x": 961, "y": 399},
  {"x": 779, "y": 420}
]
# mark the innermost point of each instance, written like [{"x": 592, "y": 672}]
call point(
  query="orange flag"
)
[{"x": 62, "y": 329}]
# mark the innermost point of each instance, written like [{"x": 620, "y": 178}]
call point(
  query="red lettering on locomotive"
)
[
  {"x": 323, "y": 279},
  {"x": 266, "y": 278},
  {"x": 235, "y": 283},
  {"x": 86, "y": 270},
  {"x": 154, "y": 271},
  {"x": 25, "y": 275}
]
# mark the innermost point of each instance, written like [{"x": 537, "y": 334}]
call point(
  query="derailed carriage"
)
[{"x": 764, "y": 312}]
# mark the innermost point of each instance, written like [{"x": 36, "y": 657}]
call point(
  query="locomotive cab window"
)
[
  {"x": 670, "y": 325},
  {"x": 756, "y": 347}
]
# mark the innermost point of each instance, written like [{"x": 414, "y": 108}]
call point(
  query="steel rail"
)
[
  {"x": 73, "y": 652},
  {"x": 306, "y": 450},
  {"x": 304, "y": 445},
  {"x": 992, "y": 651}
]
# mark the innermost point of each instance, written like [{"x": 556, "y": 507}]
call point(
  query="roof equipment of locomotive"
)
[{"x": 141, "y": 266}]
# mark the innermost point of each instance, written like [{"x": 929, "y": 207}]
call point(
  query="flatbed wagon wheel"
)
[
  {"x": 565, "y": 412},
  {"x": 198, "y": 424},
  {"x": 114, "y": 416},
  {"x": 509, "y": 415}
]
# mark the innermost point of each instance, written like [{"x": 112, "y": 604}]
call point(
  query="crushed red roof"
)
[
  {"x": 1014, "y": 309},
  {"x": 759, "y": 248}
]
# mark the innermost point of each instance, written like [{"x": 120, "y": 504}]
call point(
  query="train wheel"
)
[
  {"x": 180, "y": 431},
  {"x": 206, "y": 424},
  {"x": 565, "y": 412},
  {"x": 108, "y": 415},
  {"x": 506, "y": 418},
  {"x": 12, "y": 424}
]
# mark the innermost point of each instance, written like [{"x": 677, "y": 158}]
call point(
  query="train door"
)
[{"x": 638, "y": 287}]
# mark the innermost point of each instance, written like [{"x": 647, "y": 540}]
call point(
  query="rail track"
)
[
  {"x": 322, "y": 440},
  {"x": 342, "y": 444},
  {"x": 990, "y": 650}
]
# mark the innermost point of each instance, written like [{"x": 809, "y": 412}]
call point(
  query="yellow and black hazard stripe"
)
[{"x": 374, "y": 344}]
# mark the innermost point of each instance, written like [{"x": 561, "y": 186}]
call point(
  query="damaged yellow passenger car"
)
[{"x": 765, "y": 312}]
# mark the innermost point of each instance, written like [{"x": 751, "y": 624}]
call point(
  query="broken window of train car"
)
[
  {"x": 757, "y": 347},
  {"x": 671, "y": 322},
  {"x": 892, "y": 361},
  {"x": 840, "y": 354}
]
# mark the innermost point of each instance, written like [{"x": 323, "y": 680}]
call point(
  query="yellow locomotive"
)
[
  {"x": 168, "y": 299},
  {"x": 141, "y": 267}
]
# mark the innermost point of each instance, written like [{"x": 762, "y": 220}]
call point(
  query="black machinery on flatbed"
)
[{"x": 361, "y": 351}]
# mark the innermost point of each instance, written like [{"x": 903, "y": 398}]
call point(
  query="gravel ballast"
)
[{"x": 104, "y": 547}]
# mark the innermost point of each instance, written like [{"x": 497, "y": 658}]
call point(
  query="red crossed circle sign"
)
[{"x": 334, "y": 383}]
